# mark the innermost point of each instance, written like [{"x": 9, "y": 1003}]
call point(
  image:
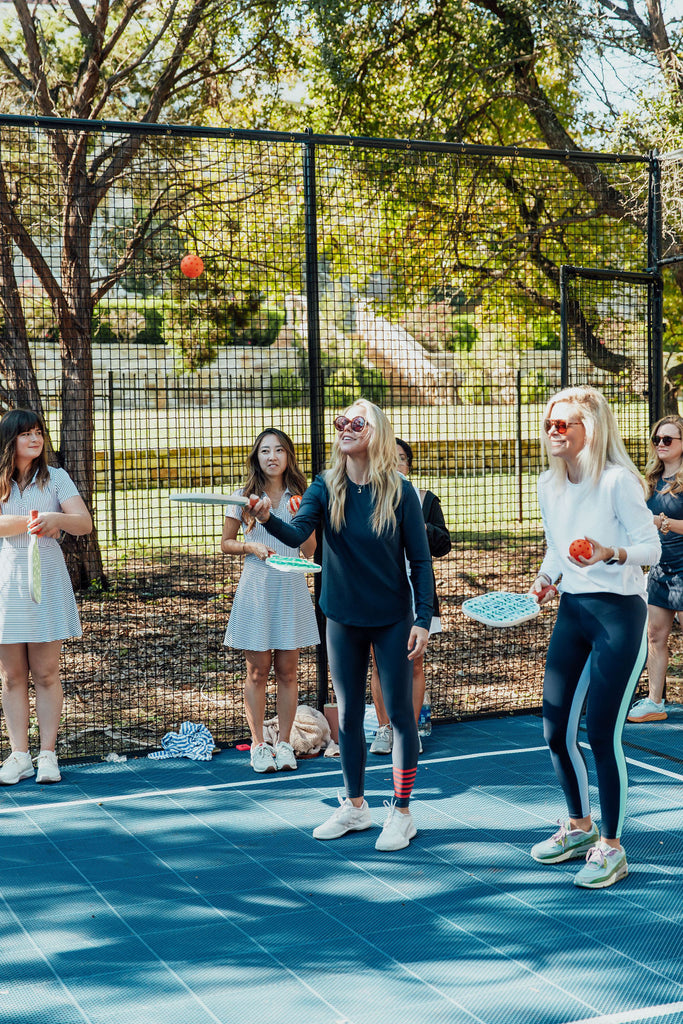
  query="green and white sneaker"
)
[
  {"x": 604, "y": 866},
  {"x": 567, "y": 844}
]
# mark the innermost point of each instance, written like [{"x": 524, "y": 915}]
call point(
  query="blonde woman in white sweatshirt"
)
[{"x": 598, "y": 647}]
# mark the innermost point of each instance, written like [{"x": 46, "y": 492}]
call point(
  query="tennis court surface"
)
[{"x": 172, "y": 892}]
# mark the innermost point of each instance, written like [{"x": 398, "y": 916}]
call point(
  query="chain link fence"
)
[{"x": 425, "y": 277}]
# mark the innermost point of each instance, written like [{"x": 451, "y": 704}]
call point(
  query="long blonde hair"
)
[
  {"x": 384, "y": 479},
  {"x": 603, "y": 446},
  {"x": 654, "y": 467}
]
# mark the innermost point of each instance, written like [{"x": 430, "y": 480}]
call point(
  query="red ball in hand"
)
[
  {"x": 581, "y": 548},
  {"x": 294, "y": 503},
  {"x": 192, "y": 265}
]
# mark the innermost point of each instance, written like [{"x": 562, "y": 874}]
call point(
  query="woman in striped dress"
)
[
  {"x": 272, "y": 614},
  {"x": 31, "y": 634}
]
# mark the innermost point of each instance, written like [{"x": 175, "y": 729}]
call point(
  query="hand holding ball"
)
[
  {"x": 294, "y": 503},
  {"x": 581, "y": 548},
  {"x": 192, "y": 265}
]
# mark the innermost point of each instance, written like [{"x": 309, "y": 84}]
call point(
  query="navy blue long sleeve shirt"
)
[{"x": 364, "y": 578}]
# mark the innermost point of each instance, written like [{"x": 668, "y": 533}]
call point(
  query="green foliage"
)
[
  {"x": 463, "y": 337},
  {"x": 287, "y": 389},
  {"x": 342, "y": 387},
  {"x": 102, "y": 334},
  {"x": 544, "y": 336},
  {"x": 152, "y": 333},
  {"x": 371, "y": 383},
  {"x": 536, "y": 388}
]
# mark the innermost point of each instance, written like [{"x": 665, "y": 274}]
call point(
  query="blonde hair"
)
[
  {"x": 384, "y": 479},
  {"x": 654, "y": 466},
  {"x": 603, "y": 446}
]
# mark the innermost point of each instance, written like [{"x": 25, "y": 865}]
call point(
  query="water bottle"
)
[{"x": 424, "y": 724}]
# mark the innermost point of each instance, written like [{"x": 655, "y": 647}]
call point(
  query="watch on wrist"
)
[
  {"x": 664, "y": 525},
  {"x": 614, "y": 560}
]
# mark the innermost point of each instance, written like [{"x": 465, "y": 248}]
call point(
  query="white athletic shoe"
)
[
  {"x": 398, "y": 829},
  {"x": 383, "y": 741},
  {"x": 18, "y": 766},
  {"x": 346, "y": 818},
  {"x": 262, "y": 758},
  {"x": 48, "y": 767},
  {"x": 285, "y": 759}
]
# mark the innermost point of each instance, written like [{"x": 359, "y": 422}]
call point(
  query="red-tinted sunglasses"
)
[
  {"x": 357, "y": 424},
  {"x": 561, "y": 426}
]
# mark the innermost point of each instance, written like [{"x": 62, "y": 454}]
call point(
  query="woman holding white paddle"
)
[
  {"x": 272, "y": 614},
  {"x": 371, "y": 521},
  {"x": 592, "y": 496},
  {"x": 33, "y": 625}
]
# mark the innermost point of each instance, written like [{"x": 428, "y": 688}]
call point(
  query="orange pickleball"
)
[
  {"x": 581, "y": 548},
  {"x": 192, "y": 265}
]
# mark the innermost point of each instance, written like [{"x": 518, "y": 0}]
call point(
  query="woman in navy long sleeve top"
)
[{"x": 371, "y": 522}]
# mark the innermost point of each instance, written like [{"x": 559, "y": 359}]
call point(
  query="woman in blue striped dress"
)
[
  {"x": 272, "y": 613},
  {"x": 31, "y": 634}
]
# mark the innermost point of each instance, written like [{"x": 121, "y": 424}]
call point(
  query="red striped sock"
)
[{"x": 404, "y": 779}]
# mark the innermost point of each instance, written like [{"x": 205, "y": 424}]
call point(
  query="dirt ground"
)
[{"x": 152, "y": 653}]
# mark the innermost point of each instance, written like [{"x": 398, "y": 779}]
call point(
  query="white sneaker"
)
[
  {"x": 383, "y": 741},
  {"x": 262, "y": 758},
  {"x": 346, "y": 818},
  {"x": 18, "y": 766},
  {"x": 398, "y": 829},
  {"x": 48, "y": 767},
  {"x": 285, "y": 760}
]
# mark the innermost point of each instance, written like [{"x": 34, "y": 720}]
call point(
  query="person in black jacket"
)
[
  {"x": 439, "y": 540},
  {"x": 372, "y": 529}
]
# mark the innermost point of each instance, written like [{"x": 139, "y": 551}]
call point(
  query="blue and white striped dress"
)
[
  {"x": 272, "y": 610},
  {"x": 56, "y": 617}
]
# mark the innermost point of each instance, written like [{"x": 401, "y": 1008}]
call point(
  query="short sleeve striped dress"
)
[
  {"x": 56, "y": 617},
  {"x": 271, "y": 611}
]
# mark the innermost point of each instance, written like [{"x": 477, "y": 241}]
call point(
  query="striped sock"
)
[{"x": 404, "y": 779}]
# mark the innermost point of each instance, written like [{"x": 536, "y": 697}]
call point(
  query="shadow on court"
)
[{"x": 171, "y": 892}]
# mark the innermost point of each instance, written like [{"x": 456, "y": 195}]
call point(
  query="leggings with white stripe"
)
[
  {"x": 595, "y": 657},
  {"x": 348, "y": 649}
]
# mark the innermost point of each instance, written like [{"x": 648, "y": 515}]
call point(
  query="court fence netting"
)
[{"x": 456, "y": 286}]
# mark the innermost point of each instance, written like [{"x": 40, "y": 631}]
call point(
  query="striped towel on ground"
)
[{"x": 192, "y": 740}]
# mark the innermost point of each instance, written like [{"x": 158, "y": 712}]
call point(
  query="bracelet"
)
[
  {"x": 544, "y": 576},
  {"x": 664, "y": 524}
]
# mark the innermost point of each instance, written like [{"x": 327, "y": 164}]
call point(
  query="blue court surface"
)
[{"x": 173, "y": 892}]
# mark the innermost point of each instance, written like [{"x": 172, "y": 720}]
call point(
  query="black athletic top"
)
[{"x": 364, "y": 579}]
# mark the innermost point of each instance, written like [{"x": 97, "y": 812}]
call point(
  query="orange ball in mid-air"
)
[
  {"x": 294, "y": 503},
  {"x": 192, "y": 265},
  {"x": 581, "y": 548}
]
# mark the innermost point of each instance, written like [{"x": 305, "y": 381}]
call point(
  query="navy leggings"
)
[
  {"x": 595, "y": 657},
  {"x": 348, "y": 649}
]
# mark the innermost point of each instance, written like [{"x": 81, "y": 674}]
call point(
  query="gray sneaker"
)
[
  {"x": 346, "y": 818},
  {"x": 48, "y": 767},
  {"x": 262, "y": 758},
  {"x": 567, "y": 844},
  {"x": 383, "y": 741}
]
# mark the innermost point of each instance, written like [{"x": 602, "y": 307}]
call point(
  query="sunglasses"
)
[
  {"x": 664, "y": 439},
  {"x": 561, "y": 426},
  {"x": 357, "y": 424}
]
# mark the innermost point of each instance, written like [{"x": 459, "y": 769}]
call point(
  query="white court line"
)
[
  {"x": 268, "y": 780},
  {"x": 632, "y": 1015}
]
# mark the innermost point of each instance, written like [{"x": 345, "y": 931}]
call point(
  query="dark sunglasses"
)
[
  {"x": 357, "y": 424},
  {"x": 561, "y": 426},
  {"x": 663, "y": 439}
]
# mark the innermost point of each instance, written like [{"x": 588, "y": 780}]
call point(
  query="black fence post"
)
[
  {"x": 112, "y": 454},
  {"x": 317, "y": 396},
  {"x": 656, "y": 318}
]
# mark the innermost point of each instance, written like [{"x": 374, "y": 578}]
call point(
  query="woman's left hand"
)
[
  {"x": 46, "y": 524},
  {"x": 601, "y": 553},
  {"x": 417, "y": 642}
]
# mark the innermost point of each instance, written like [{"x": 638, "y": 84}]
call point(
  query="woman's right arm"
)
[
  {"x": 231, "y": 546},
  {"x": 12, "y": 526},
  {"x": 307, "y": 518}
]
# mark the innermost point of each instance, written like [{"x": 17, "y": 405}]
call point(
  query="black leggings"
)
[
  {"x": 595, "y": 657},
  {"x": 348, "y": 649}
]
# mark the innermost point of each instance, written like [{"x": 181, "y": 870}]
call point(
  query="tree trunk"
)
[{"x": 77, "y": 454}]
